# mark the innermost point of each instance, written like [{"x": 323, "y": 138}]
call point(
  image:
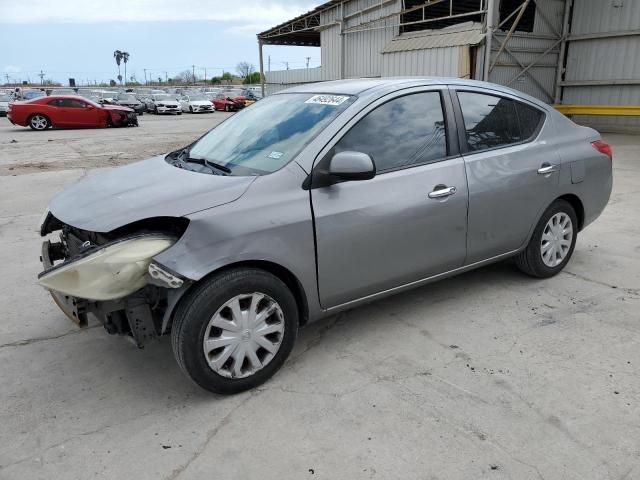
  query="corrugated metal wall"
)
[
  {"x": 604, "y": 59},
  {"x": 363, "y": 56},
  {"x": 443, "y": 62},
  {"x": 538, "y": 81},
  {"x": 277, "y": 80}
]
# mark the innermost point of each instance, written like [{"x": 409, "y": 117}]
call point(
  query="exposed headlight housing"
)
[{"x": 111, "y": 272}]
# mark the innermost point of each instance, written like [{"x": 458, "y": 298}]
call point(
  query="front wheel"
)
[
  {"x": 552, "y": 242},
  {"x": 235, "y": 330}
]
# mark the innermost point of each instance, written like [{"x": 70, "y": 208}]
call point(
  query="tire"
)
[
  {"x": 226, "y": 108},
  {"x": 179, "y": 113},
  {"x": 208, "y": 302},
  {"x": 38, "y": 122},
  {"x": 190, "y": 109},
  {"x": 532, "y": 261}
]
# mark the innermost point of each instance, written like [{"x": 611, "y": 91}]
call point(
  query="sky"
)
[{"x": 76, "y": 38}]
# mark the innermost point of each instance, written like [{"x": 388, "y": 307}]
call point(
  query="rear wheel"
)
[
  {"x": 190, "y": 109},
  {"x": 552, "y": 242},
  {"x": 235, "y": 330},
  {"x": 39, "y": 122}
]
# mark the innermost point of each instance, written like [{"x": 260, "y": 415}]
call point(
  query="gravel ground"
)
[{"x": 488, "y": 375}]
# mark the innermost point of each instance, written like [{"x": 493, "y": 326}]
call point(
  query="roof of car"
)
[{"x": 358, "y": 86}]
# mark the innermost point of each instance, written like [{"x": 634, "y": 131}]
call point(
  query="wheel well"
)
[
  {"x": 576, "y": 203},
  {"x": 283, "y": 274}
]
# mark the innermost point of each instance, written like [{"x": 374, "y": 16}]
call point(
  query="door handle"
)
[
  {"x": 442, "y": 192},
  {"x": 546, "y": 169}
]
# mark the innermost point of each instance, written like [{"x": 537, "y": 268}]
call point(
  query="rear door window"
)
[{"x": 491, "y": 121}]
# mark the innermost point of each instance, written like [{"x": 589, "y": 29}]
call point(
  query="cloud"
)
[
  {"x": 12, "y": 69},
  {"x": 255, "y": 12}
]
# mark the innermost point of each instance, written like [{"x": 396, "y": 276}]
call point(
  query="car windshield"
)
[
  {"x": 197, "y": 97},
  {"x": 163, "y": 96},
  {"x": 265, "y": 137},
  {"x": 5, "y": 98},
  {"x": 127, "y": 98},
  {"x": 233, "y": 93}
]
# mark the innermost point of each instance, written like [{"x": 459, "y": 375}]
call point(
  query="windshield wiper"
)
[{"x": 202, "y": 161}]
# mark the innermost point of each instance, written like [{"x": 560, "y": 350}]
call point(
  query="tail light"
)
[{"x": 603, "y": 147}]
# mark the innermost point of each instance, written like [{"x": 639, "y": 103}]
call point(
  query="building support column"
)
[
  {"x": 557, "y": 98},
  {"x": 261, "y": 68},
  {"x": 490, "y": 20}
]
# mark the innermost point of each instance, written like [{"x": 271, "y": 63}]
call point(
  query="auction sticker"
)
[
  {"x": 275, "y": 155},
  {"x": 333, "y": 100}
]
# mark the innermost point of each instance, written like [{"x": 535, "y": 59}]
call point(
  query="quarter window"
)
[
  {"x": 403, "y": 132},
  {"x": 492, "y": 121}
]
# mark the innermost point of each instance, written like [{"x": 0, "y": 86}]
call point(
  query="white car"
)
[
  {"x": 196, "y": 103},
  {"x": 165, "y": 103},
  {"x": 4, "y": 104}
]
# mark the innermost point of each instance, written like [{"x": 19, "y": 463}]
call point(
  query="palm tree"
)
[
  {"x": 118, "y": 56},
  {"x": 125, "y": 59}
]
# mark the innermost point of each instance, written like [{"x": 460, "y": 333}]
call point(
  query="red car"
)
[
  {"x": 228, "y": 101},
  {"x": 68, "y": 111}
]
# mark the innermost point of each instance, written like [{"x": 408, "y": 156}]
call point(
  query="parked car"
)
[
  {"x": 107, "y": 96},
  {"x": 4, "y": 104},
  {"x": 164, "y": 103},
  {"x": 196, "y": 103},
  {"x": 31, "y": 94},
  {"x": 128, "y": 100},
  {"x": 251, "y": 97},
  {"x": 62, "y": 91},
  {"x": 345, "y": 192},
  {"x": 228, "y": 101},
  {"x": 66, "y": 111}
]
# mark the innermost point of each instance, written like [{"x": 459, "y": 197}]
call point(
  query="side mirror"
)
[{"x": 352, "y": 166}]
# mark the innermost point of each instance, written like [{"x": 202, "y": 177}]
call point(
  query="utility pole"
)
[
  {"x": 145, "y": 76},
  {"x": 287, "y": 64},
  {"x": 166, "y": 77},
  {"x": 7, "y": 75},
  {"x": 41, "y": 75},
  {"x": 205, "y": 74},
  {"x": 193, "y": 73},
  {"x": 269, "y": 63},
  {"x": 308, "y": 58}
]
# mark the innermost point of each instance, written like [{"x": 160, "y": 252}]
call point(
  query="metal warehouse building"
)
[{"x": 560, "y": 51}]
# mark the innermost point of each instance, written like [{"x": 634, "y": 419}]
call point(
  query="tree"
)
[
  {"x": 125, "y": 59},
  {"x": 244, "y": 69},
  {"x": 252, "y": 78},
  {"x": 227, "y": 77},
  {"x": 215, "y": 80},
  {"x": 118, "y": 56},
  {"x": 186, "y": 76}
]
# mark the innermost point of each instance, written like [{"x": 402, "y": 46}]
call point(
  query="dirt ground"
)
[{"x": 488, "y": 375}]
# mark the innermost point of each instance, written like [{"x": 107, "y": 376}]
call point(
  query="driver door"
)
[{"x": 407, "y": 223}]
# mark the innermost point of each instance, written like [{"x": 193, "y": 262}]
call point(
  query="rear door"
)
[
  {"x": 513, "y": 172},
  {"x": 409, "y": 221}
]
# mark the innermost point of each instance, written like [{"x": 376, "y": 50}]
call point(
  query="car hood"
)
[
  {"x": 164, "y": 102},
  {"x": 120, "y": 108},
  {"x": 200, "y": 102},
  {"x": 151, "y": 188}
]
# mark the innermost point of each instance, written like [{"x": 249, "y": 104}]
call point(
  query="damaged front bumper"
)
[{"x": 137, "y": 298}]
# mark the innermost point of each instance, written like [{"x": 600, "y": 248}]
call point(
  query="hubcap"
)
[
  {"x": 39, "y": 122},
  {"x": 244, "y": 335},
  {"x": 556, "y": 239}
]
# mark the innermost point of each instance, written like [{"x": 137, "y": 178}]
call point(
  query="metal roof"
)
[
  {"x": 301, "y": 30},
  {"x": 467, "y": 34}
]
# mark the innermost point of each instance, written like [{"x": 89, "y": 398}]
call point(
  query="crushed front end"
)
[{"x": 112, "y": 276}]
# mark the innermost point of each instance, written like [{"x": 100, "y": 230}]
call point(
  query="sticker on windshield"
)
[
  {"x": 333, "y": 100},
  {"x": 275, "y": 155}
]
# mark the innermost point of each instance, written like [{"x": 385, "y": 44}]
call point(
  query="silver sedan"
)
[{"x": 315, "y": 200}]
